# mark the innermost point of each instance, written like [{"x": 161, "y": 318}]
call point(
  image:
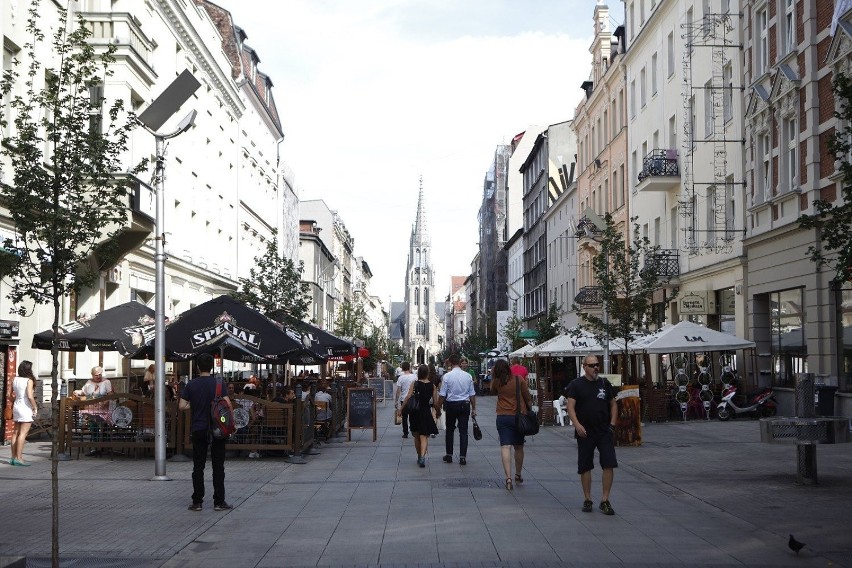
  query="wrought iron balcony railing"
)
[
  {"x": 659, "y": 163},
  {"x": 665, "y": 263},
  {"x": 589, "y": 296}
]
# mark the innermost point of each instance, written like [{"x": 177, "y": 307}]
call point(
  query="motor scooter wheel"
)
[{"x": 724, "y": 414}]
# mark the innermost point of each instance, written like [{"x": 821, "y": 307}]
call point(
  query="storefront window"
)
[
  {"x": 789, "y": 343},
  {"x": 845, "y": 321}
]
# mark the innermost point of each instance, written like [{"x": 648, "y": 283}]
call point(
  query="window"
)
[
  {"x": 670, "y": 54},
  {"x": 788, "y": 341},
  {"x": 692, "y": 122},
  {"x": 633, "y": 171},
  {"x": 764, "y": 150},
  {"x": 417, "y": 296},
  {"x": 656, "y": 232},
  {"x": 789, "y": 25},
  {"x": 633, "y": 99},
  {"x": 792, "y": 155},
  {"x": 844, "y": 303},
  {"x": 641, "y": 12},
  {"x": 605, "y": 129},
  {"x": 642, "y": 89},
  {"x": 672, "y": 132},
  {"x": 761, "y": 52},
  {"x": 673, "y": 220},
  {"x": 614, "y": 122},
  {"x": 654, "y": 74},
  {"x": 632, "y": 26},
  {"x": 711, "y": 215},
  {"x": 708, "y": 109},
  {"x": 731, "y": 209},
  {"x": 728, "y": 94},
  {"x": 726, "y": 6},
  {"x": 7, "y": 112}
]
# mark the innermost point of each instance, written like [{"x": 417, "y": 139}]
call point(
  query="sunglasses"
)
[{"x": 595, "y": 365}]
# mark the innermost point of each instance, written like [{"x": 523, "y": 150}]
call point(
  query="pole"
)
[
  {"x": 606, "y": 322},
  {"x": 159, "y": 321}
]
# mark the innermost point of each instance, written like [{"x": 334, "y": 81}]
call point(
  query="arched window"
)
[
  {"x": 426, "y": 296},
  {"x": 417, "y": 296},
  {"x": 421, "y": 327}
]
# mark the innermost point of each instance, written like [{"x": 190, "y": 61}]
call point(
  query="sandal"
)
[
  {"x": 518, "y": 478},
  {"x": 508, "y": 484}
]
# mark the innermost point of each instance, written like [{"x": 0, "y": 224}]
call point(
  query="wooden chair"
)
[{"x": 322, "y": 422}]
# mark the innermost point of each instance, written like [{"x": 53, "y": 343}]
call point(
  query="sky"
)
[{"x": 375, "y": 94}]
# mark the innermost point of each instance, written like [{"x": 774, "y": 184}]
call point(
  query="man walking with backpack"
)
[{"x": 199, "y": 396}]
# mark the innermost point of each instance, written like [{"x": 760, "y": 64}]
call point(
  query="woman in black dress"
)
[{"x": 422, "y": 422}]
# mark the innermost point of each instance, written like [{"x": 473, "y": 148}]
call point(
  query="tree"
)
[
  {"x": 512, "y": 331},
  {"x": 68, "y": 194},
  {"x": 350, "y": 320},
  {"x": 549, "y": 325},
  {"x": 275, "y": 284},
  {"x": 834, "y": 222},
  {"x": 625, "y": 286}
]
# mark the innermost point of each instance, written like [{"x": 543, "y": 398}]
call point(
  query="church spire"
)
[{"x": 419, "y": 234}]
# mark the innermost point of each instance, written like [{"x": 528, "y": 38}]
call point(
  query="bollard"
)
[{"x": 806, "y": 454}]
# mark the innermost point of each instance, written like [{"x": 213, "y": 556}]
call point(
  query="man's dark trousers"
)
[
  {"x": 200, "y": 439},
  {"x": 457, "y": 412},
  {"x": 406, "y": 420}
]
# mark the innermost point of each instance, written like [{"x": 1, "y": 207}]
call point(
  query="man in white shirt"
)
[
  {"x": 458, "y": 397},
  {"x": 403, "y": 385}
]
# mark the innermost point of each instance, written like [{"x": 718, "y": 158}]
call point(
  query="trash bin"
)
[{"x": 824, "y": 399}]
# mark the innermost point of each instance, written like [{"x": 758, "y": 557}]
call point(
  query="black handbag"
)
[
  {"x": 525, "y": 423},
  {"x": 413, "y": 404},
  {"x": 477, "y": 432}
]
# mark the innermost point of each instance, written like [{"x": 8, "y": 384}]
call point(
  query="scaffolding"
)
[{"x": 718, "y": 34}]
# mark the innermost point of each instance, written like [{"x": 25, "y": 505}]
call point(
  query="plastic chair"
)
[{"x": 559, "y": 410}]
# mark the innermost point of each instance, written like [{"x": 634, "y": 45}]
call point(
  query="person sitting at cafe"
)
[
  {"x": 99, "y": 414},
  {"x": 322, "y": 395}
]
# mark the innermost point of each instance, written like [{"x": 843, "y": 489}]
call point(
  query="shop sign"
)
[
  {"x": 728, "y": 303},
  {"x": 8, "y": 329},
  {"x": 701, "y": 302}
]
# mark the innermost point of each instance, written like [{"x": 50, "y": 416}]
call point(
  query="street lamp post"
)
[{"x": 163, "y": 107}]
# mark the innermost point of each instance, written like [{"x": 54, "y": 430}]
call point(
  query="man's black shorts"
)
[{"x": 605, "y": 444}]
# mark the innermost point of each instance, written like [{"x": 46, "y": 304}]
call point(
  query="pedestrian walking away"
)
[
  {"x": 593, "y": 410},
  {"x": 24, "y": 410},
  {"x": 507, "y": 386},
  {"x": 197, "y": 396},
  {"x": 422, "y": 422},
  {"x": 403, "y": 385},
  {"x": 457, "y": 397}
]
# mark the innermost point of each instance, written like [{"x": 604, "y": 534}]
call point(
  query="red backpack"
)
[{"x": 221, "y": 416}]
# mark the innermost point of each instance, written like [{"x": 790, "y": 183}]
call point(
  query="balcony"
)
[
  {"x": 660, "y": 171},
  {"x": 132, "y": 231},
  {"x": 665, "y": 263},
  {"x": 125, "y": 31},
  {"x": 589, "y": 296}
]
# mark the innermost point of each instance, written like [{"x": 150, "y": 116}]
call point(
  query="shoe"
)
[
  {"x": 462, "y": 460},
  {"x": 254, "y": 455},
  {"x": 222, "y": 507},
  {"x": 432, "y": 435},
  {"x": 405, "y": 435},
  {"x": 94, "y": 453},
  {"x": 448, "y": 459},
  {"x": 421, "y": 461},
  {"x": 587, "y": 506},
  {"x": 509, "y": 484},
  {"x": 13, "y": 461},
  {"x": 606, "y": 508},
  {"x": 195, "y": 507},
  {"x": 518, "y": 478}
]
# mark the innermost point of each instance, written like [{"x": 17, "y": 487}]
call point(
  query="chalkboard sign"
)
[
  {"x": 375, "y": 383},
  {"x": 360, "y": 410},
  {"x": 389, "y": 389}
]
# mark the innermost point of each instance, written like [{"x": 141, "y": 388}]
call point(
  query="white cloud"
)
[{"x": 368, "y": 107}]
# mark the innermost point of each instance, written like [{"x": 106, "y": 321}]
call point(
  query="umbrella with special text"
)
[
  {"x": 115, "y": 329},
  {"x": 223, "y": 326}
]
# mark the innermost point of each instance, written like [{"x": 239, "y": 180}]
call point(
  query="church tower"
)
[{"x": 421, "y": 330}]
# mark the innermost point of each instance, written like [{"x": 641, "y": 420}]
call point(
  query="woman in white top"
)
[{"x": 23, "y": 411}]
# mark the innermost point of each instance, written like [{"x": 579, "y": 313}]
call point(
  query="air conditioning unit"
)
[{"x": 114, "y": 275}]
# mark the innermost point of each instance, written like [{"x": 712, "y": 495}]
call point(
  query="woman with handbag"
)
[
  {"x": 513, "y": 396},
  {"x": 417, "y": 401},
  {"x": 23, "y": 410}
]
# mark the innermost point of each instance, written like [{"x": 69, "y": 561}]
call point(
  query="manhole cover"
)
[{"x": 468, "y": 483}]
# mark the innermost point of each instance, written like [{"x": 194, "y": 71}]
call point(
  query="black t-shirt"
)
[
  {"x": 593, "y": 400},
  {"x": 200, "y": 393}
]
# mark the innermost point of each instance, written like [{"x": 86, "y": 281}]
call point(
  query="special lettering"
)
[{"x": 225, "y": 328}]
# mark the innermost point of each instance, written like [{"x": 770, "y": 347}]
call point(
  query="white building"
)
[{"x": 225, "y": 189}]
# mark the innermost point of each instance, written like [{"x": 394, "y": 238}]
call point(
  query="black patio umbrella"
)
[
  {"x": 317, "y": 340},
  {"x": 228, "y": 328},
  {"x": 114, "y": 329}
]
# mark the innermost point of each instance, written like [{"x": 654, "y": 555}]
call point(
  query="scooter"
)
[{"x": 762, "y": 403}]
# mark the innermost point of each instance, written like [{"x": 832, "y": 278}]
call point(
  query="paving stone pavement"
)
[{"x": 700, "y": 493}]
